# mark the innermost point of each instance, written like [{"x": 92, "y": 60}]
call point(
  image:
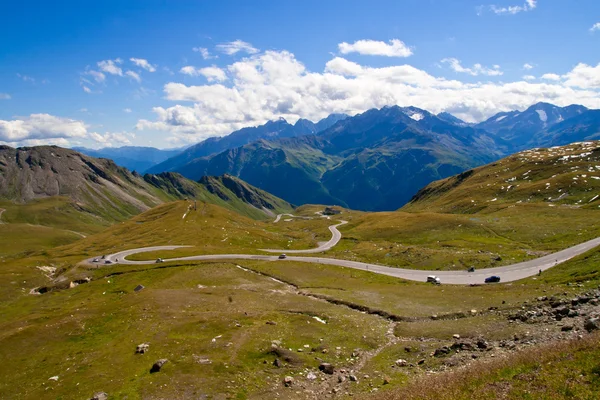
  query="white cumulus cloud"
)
[
  {"x": 236, "y": 46},
  {"x": 595, "y": 27},
  {"x": 395, "y": 48},
  {"x": 529, "y": 77},
  {"x": 583, "y": 76},
  {"x": 111, "y": 139},
  {"x": 275, "y": 84},
  {"x": 142, "y": 63},
  {"x": 477, "y": 69},
  {"x": 551, "y": 77},
  {"x": 111, "y": 67},
  {"x": 527, "y": 66},
  {"x": 212, "y": 74},
  {"x": 511, "y": 10},
  {"x": 5, "y": 96},
  {"x": 134, "y": 75},
  {"x": 98, "y": 76},
  {"x": 41, "y": 126},
  {"x": 41, "y": 129},
  {"x": 204, "y": 52}
]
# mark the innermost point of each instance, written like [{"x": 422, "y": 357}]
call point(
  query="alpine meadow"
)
[{"x": 300, "y": 200}]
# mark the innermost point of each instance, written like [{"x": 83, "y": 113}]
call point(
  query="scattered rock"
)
[
  {"x": 142, "y": 348},
  {"x": 158, "y": 365},
  {"x": 401, "y": 363},
  {"x": 456, "y": 336},
  {"x": 482, "y": 344},
  {"x": 100, "y": 396},
  {"x": 353, "y": 378},
  {"x": 556, "y": 303},
  {"x": 288, "y": 381},
  {"x": 341, "y": 378},
  {"x": 311, "y": 376},
  {"x": 562, "y": 310},
  {"x": 326, "y": 368},
  {"x": 442, "y": 351},
  {"x": 386, "y": 380},
  {"x": 572, "y": 313},
  {"x": 271, "y": 323},
  {"x": 53, "y": 378},
  {"x": 138, "y": 288},
  {"x": 463, "y": 345},
  {"x": 567, "y": 328},
  {"x": 277, "y": 363},
  {"x": 592, "y": 324},
  {"x": 421, "y": 361}
]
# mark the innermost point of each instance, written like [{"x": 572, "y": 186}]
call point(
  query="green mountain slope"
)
[
  {"x": 226, "y": 191},
  {"x": 567, "y": 176},
  {"x": 51, "y": 196},
  {"x": 372, "y": 161},
  {"x": 288, "y": 168}
]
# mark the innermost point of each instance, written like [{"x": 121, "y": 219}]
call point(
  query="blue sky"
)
[{"x": 167, "y": 74}]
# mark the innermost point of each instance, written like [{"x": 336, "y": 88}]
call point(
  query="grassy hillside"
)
[
  {"x": 567, "y": 176},
  {"x": 221, "y": 325},
  {"x": 216, "y": 323},
  {"x": 52, "y": 196},
  {"x": 226, "y": 191},
  {"x": 210, "y": 229}
]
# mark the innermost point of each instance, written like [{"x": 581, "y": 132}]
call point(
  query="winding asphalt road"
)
[
  {"x": 507, "y": 273},
  {"x": 335, "y": 238}
]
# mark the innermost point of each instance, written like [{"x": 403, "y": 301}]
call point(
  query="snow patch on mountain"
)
[
  {"x": 500, "y": 118},
  {"x": 542, "y": 115},
  {"x": 417, "y": 116}
]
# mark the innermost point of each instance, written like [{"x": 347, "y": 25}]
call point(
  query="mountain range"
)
[
  {"x": 98, "y": 188},
  {"x": 271, "y": 130},
  {"x": 134, "y": 158},
  {"x": 379, "y": 159}
]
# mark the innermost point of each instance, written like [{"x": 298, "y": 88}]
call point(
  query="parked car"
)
[
  {"x": 159, "y": 260},
  {"x": 492, "y": 279},
  {"x": 107, "y": 262},
  {"x": 471, "y": 269},
  {"x": 433, "y": 279},
  {"x": 95, "y": 260},
  {"x": 282, "y": 256}
]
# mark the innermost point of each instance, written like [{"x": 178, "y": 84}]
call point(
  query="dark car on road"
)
[
  {"x": 492, "y": 279},
  {"x": 282, "y": 256}
]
